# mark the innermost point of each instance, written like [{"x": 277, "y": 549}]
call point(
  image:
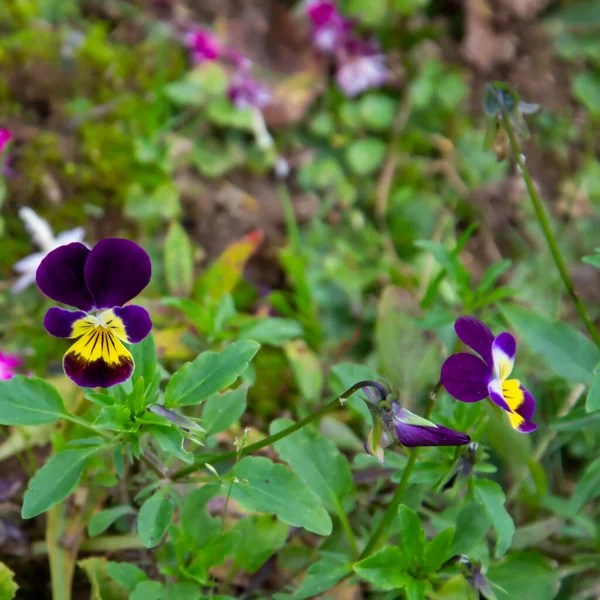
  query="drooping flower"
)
[
  {"x": 469, "y": 378},
  {"x": 42, "y": 236},
  {"x": 392, "y": 423},
  {"x": 9, "y": 363},
  {"x": 361, "y": 67},
  {"x": 98, "y": 282},
  {"x": 204, "y": 46},
  {"x": 329, "y": 29},
  {"x": 5, "y": 137}
]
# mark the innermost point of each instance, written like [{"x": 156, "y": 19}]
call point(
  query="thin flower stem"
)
[
  {"x": 392, "y": 509},
  {"x": 213, "y": 459},
  {"x": 545, "y": 223}
]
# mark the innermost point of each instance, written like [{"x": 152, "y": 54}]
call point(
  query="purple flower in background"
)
[
  {"x": 5, "y": 137},
  {"x": 9, "y": 363},
  {"x": 204, "y": 46},
  {"x": 98, "y": 283},
  {"x": 361, "y": 67},
  {"x": 469, "y": 378},
  {"x": 392, "y": 423},
  {"x": 329, "y": 29},
  {"x": 246, "y": 92}
]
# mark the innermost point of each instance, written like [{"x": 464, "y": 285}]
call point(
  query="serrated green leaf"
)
[
  {"x": 29, "y": 401},
  {"x": 491, "y": 496},
  {"x": 273, "y": 488},
  {"x": 318, "y": 461},
  {"x": 55, "y": 480},
  {"x": 154, "y": 518},
  {"x": 209, "y": 373},
  {"x": 102, "y": 520},
  {"x": 567, "y": 351},
  {"x": 386, "y": 569},
  {"x": 8, "y": 587}
]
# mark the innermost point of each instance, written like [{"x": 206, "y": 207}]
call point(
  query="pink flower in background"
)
[
  {"x": 329, "y": 29},
  {"x": 9, "y": 363},
  {"x": 5, "y": 137},
  {"x": 246, "y": 92},
  {"x": 204, "y": 46},
  {"x": 358, "y": 73}
]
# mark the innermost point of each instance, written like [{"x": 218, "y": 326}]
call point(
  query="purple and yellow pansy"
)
[
  {"x": 97, "y": 282},
  {"x": 469, "y": 378}
]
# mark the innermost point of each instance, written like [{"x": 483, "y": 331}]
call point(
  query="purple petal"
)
[
  {"x": 60, "y": 322},
  {"x": 527, "y": 427},
  {"x": 136, "y": 321},
  {"x": 416, "y": 435},
  {"x": 476, "y": 336},
  {"x": 466, "y": 377},
  {"x": 527, "y": 407},
  {"x": 504, "y": 350},
  {"x": 60, "y": 276},
  {"x": 116, "y": 271},
  {"x": 496, "y": 395}
]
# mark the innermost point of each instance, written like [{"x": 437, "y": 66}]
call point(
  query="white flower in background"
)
[{"x": 42, "y": 235}]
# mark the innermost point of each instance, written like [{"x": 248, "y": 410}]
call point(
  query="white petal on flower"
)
[
  {"x": 528, "y": 108},
  {"x": 23, "y": 282},
  {"x": 38, "y": 229},
  {"x": 68, "y": 237},
  {"x": 29, "y": 263}
]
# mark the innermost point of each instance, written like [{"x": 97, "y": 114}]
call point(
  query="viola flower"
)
[
  {"x": 9, "y": 363},
  {"x": 361, "y": 67},
  {"x": 469, "y": 378},
  {"x": 392, "y": 423},
  {"x": 44, "y": 238},
  {"x": 204, "y": 46},
  {"x": 98, "y": 282},
  {"x": 329, "y": 28}
]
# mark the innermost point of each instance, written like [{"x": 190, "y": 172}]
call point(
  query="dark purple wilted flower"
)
[
  {"x": 329, "y": 28},
  {"x": 204, "y": 46},
  {"x": 469, "y": 378},
  {"x": 98, "y": 282},
  {"x": 392, "y": 423}
]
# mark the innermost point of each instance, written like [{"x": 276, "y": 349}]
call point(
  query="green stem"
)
[
  {"x": 545, "y": 223},
  {"x": 83, "y": 423},
  {"x": 268, "y": 441},
  {"x": 392, "y": 509}
]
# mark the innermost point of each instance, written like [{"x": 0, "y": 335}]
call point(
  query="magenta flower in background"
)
[
  {"x": 9, "y": 363},
  {"x": 469, "y": 378},
  {"x": 246, "y": 92},
  {"x": 5, "y": 137},
  {"x": 329, "y": 28},
  {"x": 359, "y": 72},
  {"x": 98, "y": 283},
  {"x": 204, "y": 46}
]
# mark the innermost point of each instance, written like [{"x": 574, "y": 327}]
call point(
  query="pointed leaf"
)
[
  {"x": 588, "y": 487},
  {"x": 126, "y": 575},
  {"x": 437, "y": 551},
  {"x": 179, "y": 261},
  {"x": 221, "y": 411},
  {"x": 491, "y": 496},
  {"x": 386, "y": 569},
  {"x": 154, "y": 518},
  {"x": 102, "y": 520}
]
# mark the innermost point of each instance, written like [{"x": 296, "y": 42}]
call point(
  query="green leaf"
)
[
  {"x": 115, "y": 418},
  {"x": 148, "y": 590},
  {"x": 365, "y": 156},
  {"x": 273, "y": 331},
  {"x": 103, "y": 587},
  {"x": 8, "y": 587},
  {"x": 154, "y": 518},
  {"x": 209, "y": 373},
  {"x": 577, "y": 420},
  {"x": 222, "y": 410},
  {"x": 525, "y": 576},
  {"x": 102, "y": 520},
  {"x": 386, "y": 569},
  {"x": 377, "y": 111},
  {"x": 29, "y": 401},
  {"x": 472, "y": 525},
  {"x": 179, "y": 261},
  {"x": 412, "y": 536},
  {"x": 307, "y": 369},
  {"x": 188, "y": 591},
  {"x": 491, "y": 496},
  {"x": 567, "y": 351},
  {"x": 586, "y": 88},
  {"x": 126, "y": 575},
  {"x": 273, "y": 488},
  {"x": 491, "y": 276},
  {"x": 198, "y": 527},
  {"x": 588, "y": 487},
  {"x": 322, "y": 576},
  {"x": 593, "y": 260},
  {"x": 260, "y": 536},
  {"x": 592, "y": 403},
  {"x": 144, "y": 356},
  {"x": 171, "y": 441},
  {"x": 437, "y": 551},
  {"x": 55, "y": 480},
  {"x": 318, "y": 461}
]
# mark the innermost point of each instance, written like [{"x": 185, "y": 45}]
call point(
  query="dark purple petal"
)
[
  {"x": 527, "y": 408},
  {"x": 466, "y": 377},
  {"x": 116, "y": 271},
  {"x": 476, "y": 336},
  {"x": 136, "y": 321},
  {"x": 98, "y": 373},
  {"x": 60, "y": 276},
  {"x": 59, "y": 322},
  {"x": 527, "y": 427},
  {"x": 417, "y": 435}
]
